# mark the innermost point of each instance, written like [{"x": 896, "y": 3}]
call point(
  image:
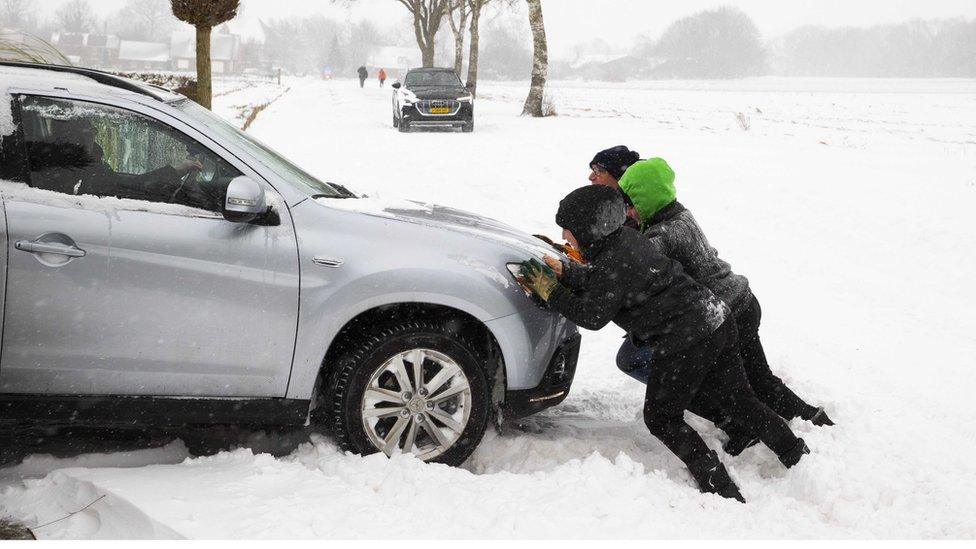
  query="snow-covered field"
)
[{"x": 848, "y": 204}]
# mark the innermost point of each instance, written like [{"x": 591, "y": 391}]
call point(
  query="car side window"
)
[{"x": 84, "y": 148}]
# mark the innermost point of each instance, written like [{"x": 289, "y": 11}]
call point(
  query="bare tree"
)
[
  {"x": 475, "y": 7},
  {"x": 204, "y": 15},
  {"x": 475, "y": 12},
  {"x": 18, "y": 14},
  {"x": 461, "y": 8},
  {"x": 76, "y": 16},
  {"x": 427, "y": 18},
  {"x": 150, "y": 20},
  {"x": 540, "y": 61}
]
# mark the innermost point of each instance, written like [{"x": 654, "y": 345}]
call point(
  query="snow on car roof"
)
[{"x": 39, "y": 76}]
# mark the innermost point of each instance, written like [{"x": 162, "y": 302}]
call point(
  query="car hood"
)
[
  {"x": 443, "y": 217},
  {"x": 439, "y": 93}
]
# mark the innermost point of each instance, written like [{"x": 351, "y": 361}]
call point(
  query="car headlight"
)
[{"x": 466, "y": 98}]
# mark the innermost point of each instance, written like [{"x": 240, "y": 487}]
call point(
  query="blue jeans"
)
[{"x": 634, "y": 361}]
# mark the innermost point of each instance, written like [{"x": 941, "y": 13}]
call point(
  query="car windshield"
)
[
  {"x": 272, "y": 160},
  {"x": 432, "y": 78}
]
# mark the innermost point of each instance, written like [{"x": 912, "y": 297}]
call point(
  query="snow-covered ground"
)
[{"x": 848, "y": 204}]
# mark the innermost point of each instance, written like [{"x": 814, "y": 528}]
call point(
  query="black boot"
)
[
  {"x": 738, "y": 443},
  {"x": 792, "y": 456},
  {"x": 739, "y": 438},
  {"x": 712, "y": 477},
  {"x": 820, "y": 418}
]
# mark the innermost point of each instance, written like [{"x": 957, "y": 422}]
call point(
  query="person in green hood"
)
[{"x": 648, "y": 186}]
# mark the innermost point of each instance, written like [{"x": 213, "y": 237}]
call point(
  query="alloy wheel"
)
[{"x": 418, "y": 401}]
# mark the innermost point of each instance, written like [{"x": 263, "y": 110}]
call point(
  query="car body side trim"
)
[{"x": 126, "y": 411}]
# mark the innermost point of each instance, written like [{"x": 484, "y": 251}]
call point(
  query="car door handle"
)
[{"x": 49, "y": 248}]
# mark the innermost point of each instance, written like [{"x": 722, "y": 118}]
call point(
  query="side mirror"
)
[
  {"x": 395, "y": 85},
  {"x": 245, "y": 200}
]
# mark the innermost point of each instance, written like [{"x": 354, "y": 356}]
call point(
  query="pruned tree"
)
[
  {"x": 427, "y": 18},
  {"x": 460, "y": 9},
  {"x": 540, "y": 61},
  {"x": 204, "y": 15},
  {"x": 76, "y": 16}
]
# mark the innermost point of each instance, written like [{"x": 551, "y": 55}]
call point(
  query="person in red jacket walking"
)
[{"x": 382, "y": 76}]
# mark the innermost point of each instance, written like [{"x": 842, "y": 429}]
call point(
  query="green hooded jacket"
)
[{"x": 650, "y": 186}]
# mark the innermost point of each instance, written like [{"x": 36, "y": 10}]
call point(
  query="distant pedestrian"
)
[
  {"x": 362, "y": 75},
  {"x": 382, "y": 77}
]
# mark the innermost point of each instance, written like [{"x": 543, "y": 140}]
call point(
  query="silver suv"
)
[{"x": 162, "y": 268}]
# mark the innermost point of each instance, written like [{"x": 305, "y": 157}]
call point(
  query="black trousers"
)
[
  {"x": 709, "y": 372},
  {"x": 768, "y": 387}
]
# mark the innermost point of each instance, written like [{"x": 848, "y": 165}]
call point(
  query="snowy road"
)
[{"x": 847, "y": 203}]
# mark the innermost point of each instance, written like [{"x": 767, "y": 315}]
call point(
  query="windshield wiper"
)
[{"x": 346, "y": 192}]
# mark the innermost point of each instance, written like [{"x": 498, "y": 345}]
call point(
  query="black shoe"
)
[
  {"x": 713, "y": 478},
  {"x": 792, "y": 456},
  {"x": 738, "y": 444},
  {"x": 820, "y": 418}
]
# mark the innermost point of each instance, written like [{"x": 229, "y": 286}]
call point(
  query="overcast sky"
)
[{"x": 618, "y": 22}]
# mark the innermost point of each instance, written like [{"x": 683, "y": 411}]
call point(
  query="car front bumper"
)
[
  {"x": 414, "y": 117},
  {"x": 554, "y": 386}
]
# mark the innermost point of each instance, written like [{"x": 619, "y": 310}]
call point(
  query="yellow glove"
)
[{"x": 538, "y": 278}]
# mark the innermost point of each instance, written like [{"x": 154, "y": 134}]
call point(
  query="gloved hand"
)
[{"x": 538, "y": 277}]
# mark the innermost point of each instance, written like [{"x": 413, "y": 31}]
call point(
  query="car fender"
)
[{"x": 366, "y": 266}]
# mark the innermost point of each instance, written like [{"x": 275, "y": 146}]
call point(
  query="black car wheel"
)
[
  {"x": 404, "y": 126},
  {"x": 468, "y": 127},
  {"x": 414, "y": 387},
  {"x": 396, "y": 121}
]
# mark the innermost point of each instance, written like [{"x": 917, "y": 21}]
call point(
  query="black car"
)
[{"x": 432, "y": 97}]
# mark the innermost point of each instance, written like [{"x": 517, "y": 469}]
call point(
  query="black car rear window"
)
[{"x": 433, "y": 78}]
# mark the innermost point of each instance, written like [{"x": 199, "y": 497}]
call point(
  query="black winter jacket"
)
[
  {"x": 642, "y": 291},
  {"x": 674, "y": 232}
]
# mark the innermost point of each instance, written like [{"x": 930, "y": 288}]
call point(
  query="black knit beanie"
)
[
  {"x": 591, "y": 213},
  {"x": 615, "y": 160}
]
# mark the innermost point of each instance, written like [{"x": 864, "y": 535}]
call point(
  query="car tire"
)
[
  {"x": 468, "y": 126},
  {"x": 374, "y": 402},
  {"x": 396, "y": 121},
  {"x": 404, "y": 126}
]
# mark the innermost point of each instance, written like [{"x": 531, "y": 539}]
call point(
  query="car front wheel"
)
[{"x": 411, "y": 388}]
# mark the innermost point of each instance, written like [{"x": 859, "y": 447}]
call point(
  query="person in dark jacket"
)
[
  {"x": 680, "y": 323},
  {"x": 363, "y": 75},
  {"x": 672, "y": 230}
]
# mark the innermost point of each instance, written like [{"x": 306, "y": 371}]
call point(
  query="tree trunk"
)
[
  {"x": 458, "y": 51},
  {"x": 473, "y": 48},
  {"x": 540, "y": 61},
  {"x": 204, "y": 84},
  {"x": 427, "y": 55},
  {"x": 458, "y": 28}
]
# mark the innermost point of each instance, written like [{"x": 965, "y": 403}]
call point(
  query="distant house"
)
[
  {"x": 225, "y": 52},
  {"x": 88, "y": 49},
  {"x": 253, "y": 34},
  {"x": 135, "y": 55}
]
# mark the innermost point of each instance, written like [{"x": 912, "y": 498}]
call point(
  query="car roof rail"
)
[{"x": 101, "y": 77}]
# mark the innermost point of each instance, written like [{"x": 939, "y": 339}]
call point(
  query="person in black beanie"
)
[
  {"x": 609, "y": 165},
  {"x": 681, "y": 324}
]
